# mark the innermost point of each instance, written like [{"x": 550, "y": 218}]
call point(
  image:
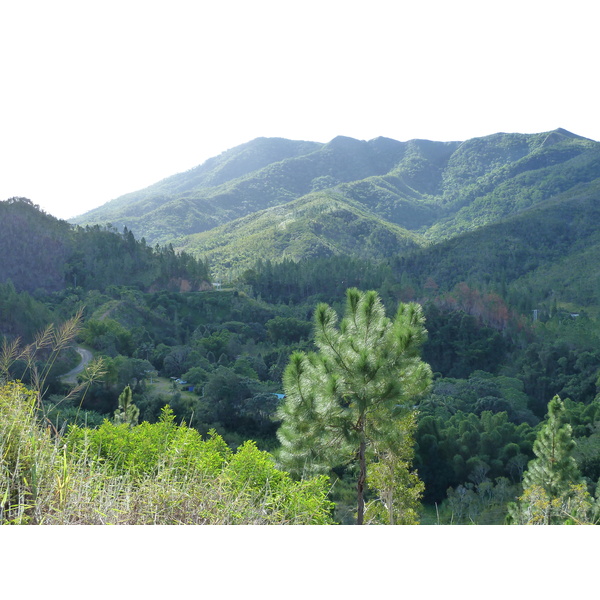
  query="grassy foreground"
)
[{"x": 159, "y": 473}]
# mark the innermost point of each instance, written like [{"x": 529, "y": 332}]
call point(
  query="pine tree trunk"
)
[
  {"x": 390, "y": 506},
  {"x": 362, "y": 476}
]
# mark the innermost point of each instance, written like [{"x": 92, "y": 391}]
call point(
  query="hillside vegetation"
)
[
  {"x": 438, "y": 188},
  {"x": 43, "y": 253},
  {"x": 314, "y": 226}
]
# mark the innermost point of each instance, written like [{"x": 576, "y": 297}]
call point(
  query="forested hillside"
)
[
  {"x": 43, "y": 253},
  {"x": 538, "y": 258},
  {"x": 314, "y": 226},
  {"x": 496, "y": 238},
  {"x": 437, "y": 189}
]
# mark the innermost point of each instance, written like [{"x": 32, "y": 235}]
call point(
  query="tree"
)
[
  {"x": 355, "y": 390},
  {"x": 552, "y": 483},
  {"x": 554, "y": 469},
  {"x": 225, "y": 394},
  {"x": 127, "y": 412},
  {"x": 398, "y": 488}
]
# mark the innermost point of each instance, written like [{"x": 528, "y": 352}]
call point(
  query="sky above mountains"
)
[{"x": 106, "y": 98}]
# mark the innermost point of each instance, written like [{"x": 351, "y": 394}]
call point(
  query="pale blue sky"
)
[{"x": 106, "y": 97}]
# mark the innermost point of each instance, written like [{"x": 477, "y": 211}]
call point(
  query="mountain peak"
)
[
  {"x": 343, "y": 141},
  {"x": 560, "y": 135},
  {"x": 566, "y": 133}
]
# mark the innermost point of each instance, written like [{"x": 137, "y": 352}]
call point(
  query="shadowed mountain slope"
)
[{"x": 547, "y": 252}]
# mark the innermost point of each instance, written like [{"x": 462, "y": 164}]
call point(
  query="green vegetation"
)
[
  {"x": 314, "y": 226},
  {"x": 94, "y": 257},
  {"x": 344, "y": 404},
  {"x": 495, "y": 238},
  {"x": 554, "y": 491},
  {"x": 146, "y": 474}
]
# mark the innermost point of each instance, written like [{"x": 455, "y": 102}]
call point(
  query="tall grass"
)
[{"x": 84, "y": 478}]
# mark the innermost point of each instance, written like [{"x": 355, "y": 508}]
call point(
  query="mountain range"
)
[{"x": 523, "y": 204}]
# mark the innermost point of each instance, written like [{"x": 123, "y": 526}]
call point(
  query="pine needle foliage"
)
[
  {"x": 397, "y": 488},
  {"x": 127, "y": 412},
  {"x": 351, "y": 395},
  {"x": 554, "y": 469},
  {"x": 553, "y": 489}
]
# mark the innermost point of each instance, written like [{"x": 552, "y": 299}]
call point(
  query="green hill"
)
[
  {"x": 552, "y": 164},
  {"x": 260, "y": 174},
  {"x": 317, "y": 225},
  {"x": 32, "y": 245},
  {"x": 42, "y": 253},
  {"x": 546, "y": 253}
]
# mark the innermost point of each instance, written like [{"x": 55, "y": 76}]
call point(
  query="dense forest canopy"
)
[{"x": 43, "y": 253}]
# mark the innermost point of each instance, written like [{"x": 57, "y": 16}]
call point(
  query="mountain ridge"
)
[
  {"x": 376, "y": 200},
  {"x": 267, "y": 172}
]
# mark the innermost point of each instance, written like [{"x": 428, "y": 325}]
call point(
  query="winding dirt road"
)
[{"x": 86, "y": 357}]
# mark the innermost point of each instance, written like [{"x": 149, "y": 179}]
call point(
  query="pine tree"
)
[
  {"x": 554, "y": 469},
  {"x": 353, "y": 392},
  {"x": 127, "y": 412},
  {"x": 552, "y": 484},
  {"x": 398, "y": 489}
]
